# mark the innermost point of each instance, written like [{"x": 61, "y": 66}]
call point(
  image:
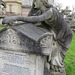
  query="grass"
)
[
  {"x": 1, "y": 27},
  {"x": 70, "y": 58}
]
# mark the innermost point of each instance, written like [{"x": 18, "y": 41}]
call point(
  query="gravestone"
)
[{"x": 23, "y": 50}]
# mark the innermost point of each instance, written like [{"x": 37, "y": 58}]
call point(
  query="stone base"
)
[
  {"x": 18, "y": 63},
  {"x": 58, "y": 73}
]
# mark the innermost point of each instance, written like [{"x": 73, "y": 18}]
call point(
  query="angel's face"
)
[{"x": 37, "y": 4}]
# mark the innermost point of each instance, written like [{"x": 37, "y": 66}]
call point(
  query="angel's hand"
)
[{"x": 8, "y": 20}]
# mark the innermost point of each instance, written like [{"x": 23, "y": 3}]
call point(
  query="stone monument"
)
[
  {"x": 44, "y": 36},
  {"x": 24, "y": 49}
]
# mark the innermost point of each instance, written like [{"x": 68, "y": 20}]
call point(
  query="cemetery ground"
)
[{"x": 70, "y": 57}]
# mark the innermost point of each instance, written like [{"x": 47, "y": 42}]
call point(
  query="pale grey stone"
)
[
  {"x": 24, "y": 50},
  {"x": 18, "y": 63}
]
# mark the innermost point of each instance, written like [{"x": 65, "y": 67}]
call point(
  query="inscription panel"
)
[{"x": 15, "y": 63}]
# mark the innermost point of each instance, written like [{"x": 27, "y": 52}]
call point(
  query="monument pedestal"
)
[
  {"x": 58, "y": 73},
  {"x": 17, "y": 63},
  {"x": 24, "y": 50}
]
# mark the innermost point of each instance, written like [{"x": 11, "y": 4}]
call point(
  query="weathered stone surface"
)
[
  {"x": 23, "y": 50},
  {"x": 58, "y": 73},
  {"x": 25, "y": 38},
  {"x": 17, "y": 63}
]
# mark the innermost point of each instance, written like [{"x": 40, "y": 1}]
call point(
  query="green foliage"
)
[
  {"x": 1, "y": 27},
  {"x": 70, "y": 58}
]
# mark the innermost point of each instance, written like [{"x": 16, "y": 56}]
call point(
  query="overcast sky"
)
[{"x": 65, "y": 3}]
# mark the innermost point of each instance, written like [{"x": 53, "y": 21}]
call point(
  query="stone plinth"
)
[{"x": 23, "y": 50}]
